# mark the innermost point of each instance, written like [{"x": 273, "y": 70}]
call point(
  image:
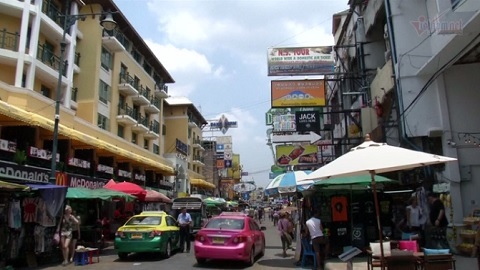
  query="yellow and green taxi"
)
[{"x": 151, "y": 231}]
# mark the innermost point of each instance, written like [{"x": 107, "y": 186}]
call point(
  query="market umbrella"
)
[
  {"x": 110, "y": 183},
  {"x": 288, "y": 183},
  {"x": 130, "y": 188},
  {"x": 99, "y": 193},
  {"x": 214, "y": 202},
  {"x": 372, "y": 158},
  {"x": 155, "y": 196},
  {"x": 352, "y": 180}
]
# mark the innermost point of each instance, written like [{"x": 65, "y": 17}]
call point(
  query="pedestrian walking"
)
[
  {"x": 283, "y": 229},
  {"x": 315, "y": 231},
  {"x": 184, "y": 221},
  {"x": 276, "y": 216}
]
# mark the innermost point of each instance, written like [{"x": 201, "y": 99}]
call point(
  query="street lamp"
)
[{"x": 68, "y": 21}]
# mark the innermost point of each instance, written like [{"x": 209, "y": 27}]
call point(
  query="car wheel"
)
[
  {"x": 122, "y": 255},
  {"x": 201, "y": 261},
  {"x": 168, "y": 249},
  {"x": 251, "y": 259},
  {"x": 262, "y": 253}
]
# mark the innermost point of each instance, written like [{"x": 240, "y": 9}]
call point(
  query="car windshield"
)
[
  {"x": 226, "y": 223},
  {"x": 140, "y": 220}
]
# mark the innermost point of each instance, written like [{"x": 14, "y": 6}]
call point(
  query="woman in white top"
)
[{"x": 414, "y": 213}]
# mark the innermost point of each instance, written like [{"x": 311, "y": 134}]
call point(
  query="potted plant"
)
[{"x": 20, "y": 157}]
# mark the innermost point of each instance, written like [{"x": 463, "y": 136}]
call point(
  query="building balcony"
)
[
  {"x": 9, "y": 41},
  {"x": 73, "y": 97},
  {"x": 197, "y": 143},
  {"x": 111, "y": 40},
  {"x": 198, "y": 160},
  {"x": 127, "y": 85},
  {"x": 383, "y": 82},
  {"x": 49, "y": 59},
  {"x": 142, "y": 97},
  {"x": 191, "y": 123},
  {"x": 52, "y": 11},
  {"x": 153, "y": 107},
  {"x": 161, "y": 90},
  {"x": 126, "y": 115},
  {"x": 153, "y": 131},
  {"x": 141, "y": 126}
]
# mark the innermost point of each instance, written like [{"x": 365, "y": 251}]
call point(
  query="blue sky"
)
[{"x": 216, "y": 51}]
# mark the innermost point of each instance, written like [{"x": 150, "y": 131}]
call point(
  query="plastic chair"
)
[{"x": 307, "y": 250}]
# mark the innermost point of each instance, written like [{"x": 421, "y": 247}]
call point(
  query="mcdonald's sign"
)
[{"x": 61, "y": 179}]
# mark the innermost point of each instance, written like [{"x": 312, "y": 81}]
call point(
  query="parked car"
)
[
  {"x": 151, "y": 231},
  {"x": 230, "y": 236}
]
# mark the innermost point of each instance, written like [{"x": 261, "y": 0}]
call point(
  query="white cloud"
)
[{"x": 216, "y": 51}]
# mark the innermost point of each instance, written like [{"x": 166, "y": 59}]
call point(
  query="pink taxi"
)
[{"x": 230, "y": 236}]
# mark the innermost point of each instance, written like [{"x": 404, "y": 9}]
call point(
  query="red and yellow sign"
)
[
  {"x": 298, "y": 93},
  {"x": 288, "y": 155},
  {"x": 61, "y": 179}
]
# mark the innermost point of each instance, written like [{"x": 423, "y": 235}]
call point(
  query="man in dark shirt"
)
[{"x": 438, "y": 223}]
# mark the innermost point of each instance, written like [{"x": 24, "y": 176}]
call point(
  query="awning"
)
[
  {"x": 201, "y": 183},
  {"x": 53, "y": 195},
  {"x": 40, "y": 121},
  {"x": 13, "y": 187},
  {"x": 100, "y": 193}
]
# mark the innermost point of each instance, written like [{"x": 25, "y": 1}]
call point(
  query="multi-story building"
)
[
  {"x": 183, "y": 144},
  {"x": 110, "y": 91},
  {"x": 417, "y": 63}
]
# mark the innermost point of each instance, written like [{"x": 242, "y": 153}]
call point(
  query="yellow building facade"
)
[{"x": 113, "y": 117}]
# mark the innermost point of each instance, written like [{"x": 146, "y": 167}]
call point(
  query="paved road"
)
[{"x": 272, "y": 260}]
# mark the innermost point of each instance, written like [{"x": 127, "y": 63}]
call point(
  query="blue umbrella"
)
[{"x": 288, "y": 183}]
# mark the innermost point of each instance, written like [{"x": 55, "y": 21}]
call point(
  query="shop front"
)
[{"x": 348, "y": 212}]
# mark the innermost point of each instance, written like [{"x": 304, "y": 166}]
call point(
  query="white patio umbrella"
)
[{"x": 371, "y": 158}]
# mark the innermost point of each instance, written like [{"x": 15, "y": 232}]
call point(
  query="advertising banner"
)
[
  {"x": 307, "y": 121},
  {"x": 288, "y": 155},
  {"x": 298, "y": 93},
  {"x": 296, "y": 61}
]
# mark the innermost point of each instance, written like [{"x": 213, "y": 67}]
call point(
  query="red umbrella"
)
[
  {"x": 110, "y": 183},
  {"x": 129, "y": 188},
  {"x": 155, "y": 196}
]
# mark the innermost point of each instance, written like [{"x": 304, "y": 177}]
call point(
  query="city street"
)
[{"x": 272, "y": 260}]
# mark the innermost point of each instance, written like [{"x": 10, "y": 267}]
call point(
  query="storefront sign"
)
[
  {"x": 307, "y": 121},
  {"x": 297, "y": 93},
  {"x": 85, "y": 181},
  {"x": 8, "y": 146},
  {"x": 28, "y": 173},
  {"x": 181, "y": 147},
  {"x": 124, "y": 174},
  {"x": 295, "y": 61},
  {"x": 41, "y": 153},
  {"x": 104, "y": 169},
  {"x": 80, "y": 163},
  {"x": 139, "y": 177}
]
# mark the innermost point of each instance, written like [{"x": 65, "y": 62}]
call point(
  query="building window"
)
[
  {"x": 137, "y": 56},
  {"x": 145, "y": 144},
  {"x": 147, "y": 68},
  {"x": 156, "y": 149},
  {"x": 106, "y": 59},
  {"x": 45, "y": 91},
  {"x": 104, "y": 92},
  {"x": 134, "y": 138},
  {"x": 120, "y": 131},
  {"x": 102, "y": 121},
  {"x": 164, "y": 130}
]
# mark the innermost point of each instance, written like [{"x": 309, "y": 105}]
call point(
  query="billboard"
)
[
  {"x": 288, "y": 155},
  {"x": 294, "y": 61},
  {"x": 298, "y": 93},
  {"x": 307, "y": 121}
]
